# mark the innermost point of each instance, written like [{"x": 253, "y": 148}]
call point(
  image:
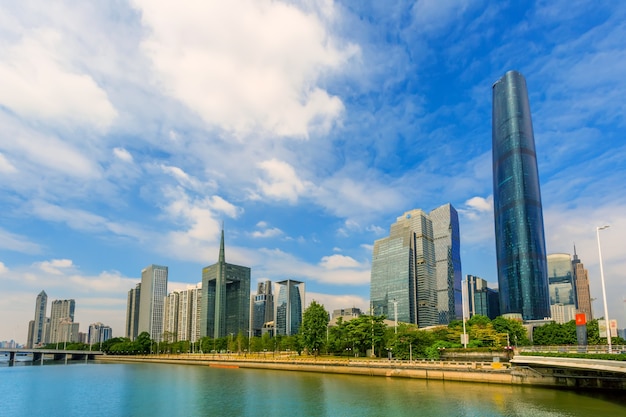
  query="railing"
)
[{"x": 573, "y": 349}]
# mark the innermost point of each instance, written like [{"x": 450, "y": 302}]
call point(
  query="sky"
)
[{"x": 132, "y": 129}]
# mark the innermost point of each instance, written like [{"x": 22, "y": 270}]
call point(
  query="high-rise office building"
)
[
  {"x": 41, "y": 305},
  {"x": 481, "y": 299},
  {"x": 447, "y": 262},
  {"x": 520, "y": 241},
  {"x": 561, "y": 286},
  {"x": 132, "y": 312},
  {"x": 62, "y": 311},
  {"x": 403, "y": 278},
  {"x": 153, "y": 292},
  {"x": 290, "y": 299},
  {"x": 225, "y": 298},
  {"x": 262, "y": 308},
  {"x": 581, "y": 282}
]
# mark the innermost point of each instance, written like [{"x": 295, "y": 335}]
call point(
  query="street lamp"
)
[
  {"x": 395, "y": 312},
  {"x": 606, "y": 309}
]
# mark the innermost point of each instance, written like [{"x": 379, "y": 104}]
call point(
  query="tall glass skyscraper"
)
[
  {"x": 403, "y": 272},
  {"x": 289, "y": 307},
  {"x": 41, "y": 304},
  {"x": 520, "y": 241},
  {"x": 447, "y": 262}
]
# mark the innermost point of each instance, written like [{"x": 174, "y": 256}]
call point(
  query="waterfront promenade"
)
[{"x": 523, "y": 370}]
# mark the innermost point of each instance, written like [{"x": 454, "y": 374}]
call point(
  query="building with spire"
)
[
  {"x": 581, "y": 283},
  {"x": 225, "y": 298},
  {"x": 518, "y": 214}
]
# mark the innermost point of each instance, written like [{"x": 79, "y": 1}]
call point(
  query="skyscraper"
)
[
  {"x": 132, "y": 312},
  {"x": 225, "y": 298},
  {"x": 61, "y": 318},
  {"x": 561, "y": 286},
  {"x": 41, "y": 305},
  {"x": 520, "y": 241},
  {"x": 581, "y": 281},
  {"x": 262, "y": 307},
  {"x": 447, "y": 262},
  {"x": 290, "y": 301},
  {"x": 153, "y": 292},
  {"x": 403, "y": 272},
  {"x": 481, "y": 299}
]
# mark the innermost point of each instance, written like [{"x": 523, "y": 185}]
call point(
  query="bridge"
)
[
  {"x": 569, "y": 372},
  {"x": 55, "y": 354}
]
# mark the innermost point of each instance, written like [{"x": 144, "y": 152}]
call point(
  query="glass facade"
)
[
  {"x": 447, "y": 262},
  {"x": 41, "y": 304},
  {"x": 562, "y": 287},
  {"x": 262, "y": 307},
  {"x": 152, "y": 300},
  {"x": 520, "y": 241},
  {"x": 225, "y": 298},
  {"x": 289, "y": 307},
  {"x": 403, "y": 272},
  {"x": 481, "y": 299}
]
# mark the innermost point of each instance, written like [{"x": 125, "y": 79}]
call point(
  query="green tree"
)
[
  {"x": 514, "y": 328},
  {"x": 143, "y": 342},
  {"x": 313, "y": 328},
  {"x": 365, "y": 332}
]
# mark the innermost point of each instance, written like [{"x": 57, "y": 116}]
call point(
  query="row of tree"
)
[{"x": 367, "y": 335}]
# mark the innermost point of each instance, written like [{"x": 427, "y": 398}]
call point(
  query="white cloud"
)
[
  {"x": 338, "y": 262},
  {"x": 3, "y": 268},
  {"x": 37, "y": 83},
  {"x": 5, "y": 166},
  {"x": 245, "y": 66},
  {"x": 13, "y": 242},
  {"x": 55, "y": 266},
  {"x": 335, "y": 302},
  {"x": 280, "y": 181},
  {"x": 334, "y": 269},
  {"x": 122, "y": 154},
  {"x": 271, "y": 232},
  {"x": 476, "y": 206}
]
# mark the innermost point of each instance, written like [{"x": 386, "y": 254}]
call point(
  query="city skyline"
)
[{"x": 125, "y": 146}]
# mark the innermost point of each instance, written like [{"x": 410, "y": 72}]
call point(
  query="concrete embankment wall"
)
[{"x": 436, "y": 371}]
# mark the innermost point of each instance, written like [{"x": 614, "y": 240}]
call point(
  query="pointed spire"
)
[
  {"x": 222, "y": 258},
  {"x": 575, "y": 255}
]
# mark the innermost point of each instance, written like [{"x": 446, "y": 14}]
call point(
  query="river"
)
[{"x": 153, "y": 390}]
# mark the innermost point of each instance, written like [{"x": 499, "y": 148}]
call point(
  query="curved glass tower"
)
[{"x": 520, "y": 242}]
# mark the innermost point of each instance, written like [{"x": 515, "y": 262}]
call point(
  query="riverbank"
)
[{"x": 482, "y": 372}]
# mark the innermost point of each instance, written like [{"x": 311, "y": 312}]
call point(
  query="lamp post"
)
[
  {"x": 395, "y": 312},
  {"x": 463, "y": 293},
  {"x": 606, "y": 309}
]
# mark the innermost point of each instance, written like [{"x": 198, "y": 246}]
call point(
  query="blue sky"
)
[{"x": 132, "y": 129}]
